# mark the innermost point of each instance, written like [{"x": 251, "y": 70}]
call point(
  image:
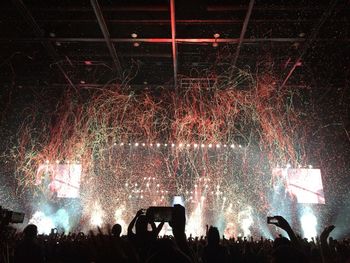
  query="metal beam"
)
[
  {"x": 39, "y": 33},
  {"x": 105, "y": 32},
  {"x": 310, "y": 40},
  {"x": 178, "y": 21},
  {"x": 244, "y": 29},
  {"x": 169, "y": 40},
  {"x": 173, "y": 39}
]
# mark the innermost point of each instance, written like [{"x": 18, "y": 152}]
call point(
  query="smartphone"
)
[
  {"x": 272, "y": 220},
  {"x": 160, "y": 213}
]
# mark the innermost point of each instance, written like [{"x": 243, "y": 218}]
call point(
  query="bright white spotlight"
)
[
  {"x": 308, "y": 224},
  {"x": 97, "y": 215},
  {"x": 43, "y": 222}
]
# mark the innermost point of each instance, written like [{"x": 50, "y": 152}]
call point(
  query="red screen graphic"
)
[{"x": 304, "y": 184}]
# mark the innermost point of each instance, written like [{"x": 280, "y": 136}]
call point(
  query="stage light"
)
[
  {"x": 115, "y": 143},
  {"x": 240, "y": 146},
  {"x": 310, "y": 166},
  {"x": 210, "y": 145},
  {"x": 157, "y": 185},
  {"x": 141, "y": 196},
  {"x": 122, "y": 144},
  {"x": 216, "y": 35},
  {"x": 158, "y": 145},
  {"x": 225, "y": 145},
  {"x": 218, "y": 146},
  {"x": 165, "y": 145},
  {"x": 147, "y": 184},
  {"x": 188, "y": 145},
  {"x": 126, "y": 184},
  {"x": 172, "y": 145},
  {"x": 195, "y": 185},
  {"x": 144, "y": 178},
  {"x": 180, "y": 145},
  {"x": 308, "y": 223},
  {"x": 202, "y": 145},
  {"x": 151, "y": 144},
  {"x": 57, "y": 161},
  {"x": 288, "y": 165},
  {"x": 143, "y": 144},
  {"x": 136, "y": 144},
  {"x": 135, "y": 184},
  {"x": 47, "y": 161},
  {"x": 134, "y": 35},
  {"x": 130, "y": 196}
]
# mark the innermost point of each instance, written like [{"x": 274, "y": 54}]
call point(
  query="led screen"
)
[
  {"x": 60, "y": 180},
  {"x": 304, "y": 185}
]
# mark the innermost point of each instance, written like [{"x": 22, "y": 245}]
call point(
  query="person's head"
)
[
  {"x": 287, "y": 254},
  {"x": 213, "y": 236},
  {"x": 30, "y": 231},
  {"x": 116, "y": 230},
  {"x": 141, "y": 224},
  {"x": 280, "y": 241}
]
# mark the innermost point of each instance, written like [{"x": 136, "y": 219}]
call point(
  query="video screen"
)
[
  {"x": 60, "y": 180},
  {"x": 304, "y": 185}
]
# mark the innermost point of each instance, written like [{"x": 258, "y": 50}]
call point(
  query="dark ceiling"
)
[{"x": 78, "y": 43}]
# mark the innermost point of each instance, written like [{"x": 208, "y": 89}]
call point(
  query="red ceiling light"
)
[
  {"x": 216, "y": 35},
  {"x": 88, "y": 62}
]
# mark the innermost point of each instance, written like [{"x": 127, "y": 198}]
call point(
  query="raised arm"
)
[
  {"x": 132, "y": 223},
  {"x": 283, "y": 223}
]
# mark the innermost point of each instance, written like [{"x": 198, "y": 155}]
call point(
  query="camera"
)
[
  {"x": 160, "y": 213},
  {"x": 10, "y": 217},
  {"x": 272, "y": 220}
]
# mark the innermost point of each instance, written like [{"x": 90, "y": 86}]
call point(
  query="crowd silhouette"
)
[{"x": 144, "y": 244}]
